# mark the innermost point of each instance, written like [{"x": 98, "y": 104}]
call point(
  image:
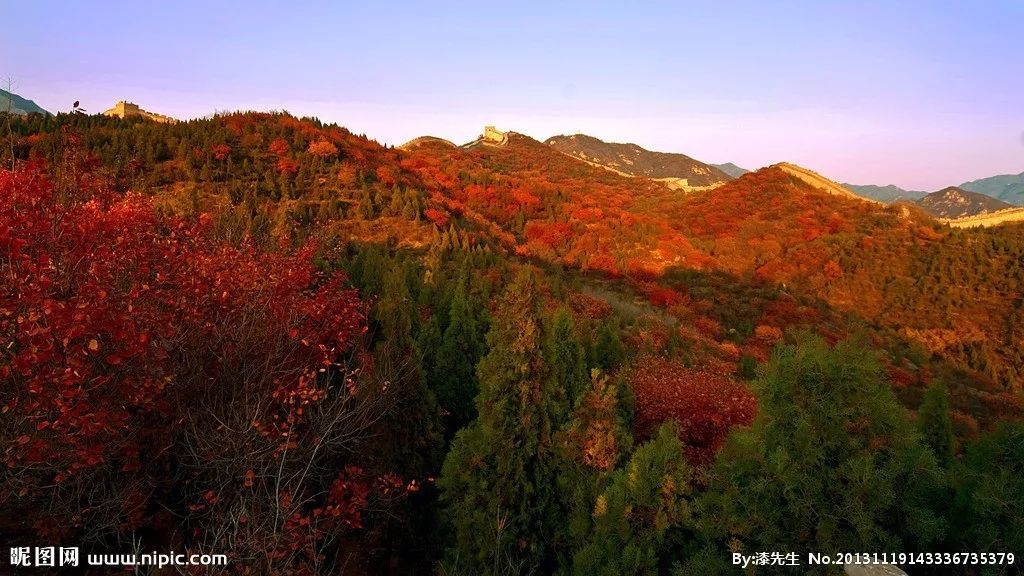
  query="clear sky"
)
[{"x": 918, "y": 94}]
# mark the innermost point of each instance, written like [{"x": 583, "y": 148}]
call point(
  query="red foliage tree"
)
[
  {"x": 136, "y": 345},
  {"x": 221, "y": 151},
  {"x": 287, "y": 166},
  {"x": 280, "y": 147},
  {"x": 323, "y": 149},
  {"x": 437, "y": 217}
]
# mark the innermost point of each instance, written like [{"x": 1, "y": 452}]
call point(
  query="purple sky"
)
[{"x": 921, "y": 95}]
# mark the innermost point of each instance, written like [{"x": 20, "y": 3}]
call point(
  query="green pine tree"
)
[
  {"x": 499, "y": 480},
  {"x": 935, "y": 424}
]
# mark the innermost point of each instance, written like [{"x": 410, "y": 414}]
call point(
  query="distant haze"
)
[{"x": 913, "y": 94}]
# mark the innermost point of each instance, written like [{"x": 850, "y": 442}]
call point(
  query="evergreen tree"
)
[
  {"x": 498, "y": 481},
  {"x": 564, "y": 355},
  {"x": 935, "y": 424},
  {"x": 454, "y": 374},
  {"x": 989, "y": 505},
  {"x": 608, "y": 349},
  {"x": 831, "y": 463},
  {"x": 632, "y": 518},
  {"x": 366, "y": 209}
]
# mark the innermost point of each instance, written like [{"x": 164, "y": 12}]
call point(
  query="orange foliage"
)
[
  {"x": 280, "y": 147},
  {"x": 832, "y": 270},
  {"x": 220, "y": 151},
  {"x": 323, "y": 149},
  {"x": 287, "y": 166},
  {"x": 437, "y": 217}
]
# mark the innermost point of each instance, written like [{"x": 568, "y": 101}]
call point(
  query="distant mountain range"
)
[
  {"x": 953, "y": 202},
  {"x": 633, "y": 160},
  {"x": 887, "y": 194},
  {"x": 18, "y": 105},
  {"x": 1008, "y": 187},
  {"x": 731, "y": 169}
]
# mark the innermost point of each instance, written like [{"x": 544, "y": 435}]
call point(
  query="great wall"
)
[
  {"x": 125, "y": 109},
  {"x": 989, "y": 219}
]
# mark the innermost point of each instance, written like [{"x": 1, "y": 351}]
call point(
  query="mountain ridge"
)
[
  {"x": 953, "y": 202},
  {"x": 19, "y": 104},
  {"x": 1006, "y": 187},
  {"x": 731, "y": 169},
  {"x": 634, "y": 160},
  {"x": 889, "y": 193}
]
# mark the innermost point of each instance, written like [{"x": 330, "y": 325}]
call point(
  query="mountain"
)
[
  {"x": 1007, "y": 187},
  {"x": 817, "y": 181},
  {"x": 19, "y": 105},
  {"x": 731, "y": 169},
  {"x": 887, "y": 194},
  {"x": 633, "y": 160},
  {"x": 953, "y": 202}
]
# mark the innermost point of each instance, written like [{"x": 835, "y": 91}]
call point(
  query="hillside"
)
[
  {"x": 887, "y": 194},
  {"x": 636, "y": 161},
  {"x": 953, "y": 202},
  {"x": 19, "y": 105},
  {"x": 1008, "y": 187}
]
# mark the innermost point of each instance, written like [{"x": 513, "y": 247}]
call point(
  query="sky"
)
[{"x": 921, "y": 94}]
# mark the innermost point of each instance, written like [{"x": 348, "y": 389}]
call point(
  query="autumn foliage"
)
[
  {"x": 703, "y": 403},
  {"x": 126, "y": 332}
]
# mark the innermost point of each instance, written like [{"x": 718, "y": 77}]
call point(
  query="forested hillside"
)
[{"x": 267, "y": 336}]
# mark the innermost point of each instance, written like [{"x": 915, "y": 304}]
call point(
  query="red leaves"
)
[
  {"x": 323, "y": 149},
  {"x": 279, "y": 147},
  {"x": 287, "y": 166},
  {"x": 660, "y": 296},
  {"x": 705, "y": 404},
  {"x": 221, "y": 151},
  {"x": 832, "y": 270},
  {"x": 524, "y": 198},
  {"x": 102, "y": 299},
  {"x": 437, "y": 217}
]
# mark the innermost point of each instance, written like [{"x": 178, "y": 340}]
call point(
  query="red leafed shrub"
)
[
  {"x": 140, "y": 352},
  {"x": 323, "y": 149},
  {"x": 437, "y": 217},
  {"x": 386, "y": 175},
  {"x": 705, "y": 404},
  {"x": 525, "y": 198},
  {"x": 280, "y": 147},
  {"x": 707, "y": 327},
  {"x": 729, "y": 350},
  {"x": 661, "y": 296},
  {"x": 287, "y": 166},
  {"x": 551, "y": 234},
  {"x": 221, "y": 151},
  {"x": 768, "y": 334},
  {"x": 832, "y": 270}
]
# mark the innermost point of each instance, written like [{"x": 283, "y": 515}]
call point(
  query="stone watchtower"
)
[
  {"x": 123, "y": 109},
  {"x": 492, "y": 135}
]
